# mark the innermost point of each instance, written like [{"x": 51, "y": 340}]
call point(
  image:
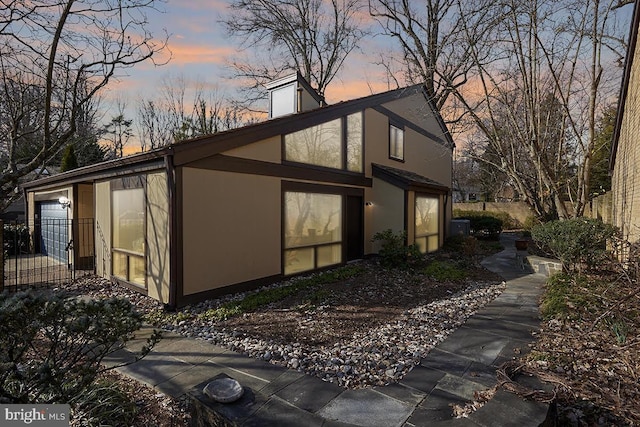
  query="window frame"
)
[
  {"x": 426, "y": 236},
  {"x": 393, "y": 147},
  {"x": 124, "y": 184},
  {"x": 305, "y": 187},
  {"x": 344, "y": 149}
]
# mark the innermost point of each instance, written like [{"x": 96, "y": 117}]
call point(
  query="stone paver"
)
[{"x": 450, "y": 374}]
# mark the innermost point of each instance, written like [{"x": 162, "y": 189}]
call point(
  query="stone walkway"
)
[{"x": 465, "y": 362}]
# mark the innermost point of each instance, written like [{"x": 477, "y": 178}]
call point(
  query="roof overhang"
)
[{"x": 407, "y": 180}]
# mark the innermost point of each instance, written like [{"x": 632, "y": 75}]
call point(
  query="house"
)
[
  {"x": 302, "y": 191},
  {"x": 624, "y": 163},
  {"x": 15, "y": 211}
]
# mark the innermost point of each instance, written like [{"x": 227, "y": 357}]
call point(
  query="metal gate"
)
[{"x": 51, "y": 251}]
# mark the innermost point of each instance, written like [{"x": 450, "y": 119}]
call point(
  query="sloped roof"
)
[
  {"x": 187, "y": 151},
  {"x": 622, "y": 99},
  {"x": 405, "y": 179}
]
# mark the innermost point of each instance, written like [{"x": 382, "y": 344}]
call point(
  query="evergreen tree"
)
[
  {"x": 599, "y": 179},
  {"x": 69, "y": 160}
]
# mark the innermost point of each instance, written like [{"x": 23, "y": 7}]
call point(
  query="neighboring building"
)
[
  {"x": 16, "y": 210},
  {"x": 624, "y": 164},
  {"x": 297, "y": 193}
]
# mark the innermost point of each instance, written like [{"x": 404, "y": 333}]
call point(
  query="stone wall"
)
[{"x": 519, "y": 211}]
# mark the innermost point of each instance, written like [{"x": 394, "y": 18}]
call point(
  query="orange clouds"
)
[{"x": 182, "y": 54}]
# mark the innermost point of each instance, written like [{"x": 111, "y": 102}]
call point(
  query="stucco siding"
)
[
  {"x": 158, "y": 257},
  {"x": 231, "y": 228},
  {"x": 387, "y": 211},
  {"x": 102, "y": 192},
  {"x": 626, "y": 173},
  {"x": 268, "y": 150}
]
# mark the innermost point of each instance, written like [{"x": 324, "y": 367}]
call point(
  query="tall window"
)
[
  {"x": 128, "y": 232},
  {"x": 427, "y": 226},
  {"x": 396, "y": 143},
  {"x": 336, "y": 144},
  {"x": 313, "y": 231}
]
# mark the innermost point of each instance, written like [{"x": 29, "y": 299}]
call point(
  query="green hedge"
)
[
  {"x": 484, "y": 225},
  {"x": 576, "y": 242},
  {"x": 508, "y": 222}
]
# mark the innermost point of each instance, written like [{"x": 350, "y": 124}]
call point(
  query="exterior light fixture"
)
[
  {"x": 64, "y": 202},
  {"x": 368, "y": 203}
]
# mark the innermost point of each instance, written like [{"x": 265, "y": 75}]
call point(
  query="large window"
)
[
  {"x": 128, "y": 233},
  {"x": 427, "y": 226},
  {"x": 396, "y": 143},
  {"x": 313, "y": 231},
  {"x": 336, "y": 144}
]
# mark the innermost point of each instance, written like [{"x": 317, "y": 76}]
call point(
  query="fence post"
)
[{"x": 1, "y": 256}]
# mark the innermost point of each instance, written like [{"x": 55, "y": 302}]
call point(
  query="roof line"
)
[{"x": 624, "y": 89}]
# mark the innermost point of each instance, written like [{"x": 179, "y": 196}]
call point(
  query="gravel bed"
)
[{"x": 373, "y": 357}]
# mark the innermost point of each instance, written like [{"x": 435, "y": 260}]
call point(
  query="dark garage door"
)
[{"x": 54, "y": 230}]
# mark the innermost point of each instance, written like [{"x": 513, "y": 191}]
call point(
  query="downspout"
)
[{"x": 173, "y": 235}]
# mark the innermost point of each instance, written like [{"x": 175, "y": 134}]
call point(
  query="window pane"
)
[
  {"x": 329, "y": 255},
  {"x": 312, "y": 219},
  {"x": 318, "y": 145},
  {"x": 354, "y": 142},
  {"x": 426, "y": 215},
  {"x": 136, "y": 270},
  {"x": 396, "y": 142},
  {"x": 120, "y": 265},
  {"x": 422, "y": 244},
  {"x": 128, "y": 220},
  {"x": 433, "y": 243},
  {"x": 283, "y": 101},
  {"x": 297, "y": 260}
]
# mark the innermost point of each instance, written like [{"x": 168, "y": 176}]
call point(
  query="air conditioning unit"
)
[{"x": 460, "y": 227}]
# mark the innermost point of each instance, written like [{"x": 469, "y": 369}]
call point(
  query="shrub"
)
[
  {"x": 264, "y": 297},
  {"x": 16, "y": 239},
  {"x": 575, "y": 242},
  {"x": 484, "y": 226},
  {"x": 394, "y": 251},
  {"x": 52, "y": 346},
  {"x": 444, "y": 271},
  {"x": 508, "y": 222}
]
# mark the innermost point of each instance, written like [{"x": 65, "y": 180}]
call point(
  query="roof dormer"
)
[{"x": 292, "y": 94}]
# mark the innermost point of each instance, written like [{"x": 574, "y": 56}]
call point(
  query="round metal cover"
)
[{"x": 224, "y": 390}]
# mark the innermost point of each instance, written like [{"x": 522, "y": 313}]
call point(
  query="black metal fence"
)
[{"x": 48, "y": 252}]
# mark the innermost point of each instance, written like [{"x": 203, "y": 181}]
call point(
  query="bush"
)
[
  {"x": 394, "y": 251},
  {"x": 16, "y": 239},
  {"x": 575, "y": 242},
  {"x": 508, "y": 222},
  {"x": 445, "y": 271},
  {"x": 53, "y": 345},
  {"x": 484, "y": 226}
]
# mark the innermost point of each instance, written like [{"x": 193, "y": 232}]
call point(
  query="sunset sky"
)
[{"x": 200, "y": 50}]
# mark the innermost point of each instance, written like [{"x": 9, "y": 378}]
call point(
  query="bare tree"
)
[
  {"x": 55, "y": 56},
  {"x": 313, "y": 37},
  {"x": 183, "y": 110},
  {"x": 532, "y": 77},
  {"x": 434, "y": 46}
]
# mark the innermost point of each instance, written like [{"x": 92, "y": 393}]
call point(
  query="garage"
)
[{"x": 54, "y": 231}]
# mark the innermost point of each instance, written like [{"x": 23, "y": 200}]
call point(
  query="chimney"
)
[{"x": 292, "y": 94}]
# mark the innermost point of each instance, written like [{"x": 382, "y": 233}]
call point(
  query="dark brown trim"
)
[
  {"x": 400, "y": 122},
  {"x": 225, "y": 290},
  {"x": 287, "y": 170},
  {"x": 179, "y": 221},
  {"x": 407, "y": 184},
  {"x": 173, "y": 233},
  {"x": 307, "y": 187},
  {"x": 195, "y": 149},
  {"x": 136, "y": 163},
  {"x": 626, "y": 79},
  {"x": 128, "y": 285}
]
